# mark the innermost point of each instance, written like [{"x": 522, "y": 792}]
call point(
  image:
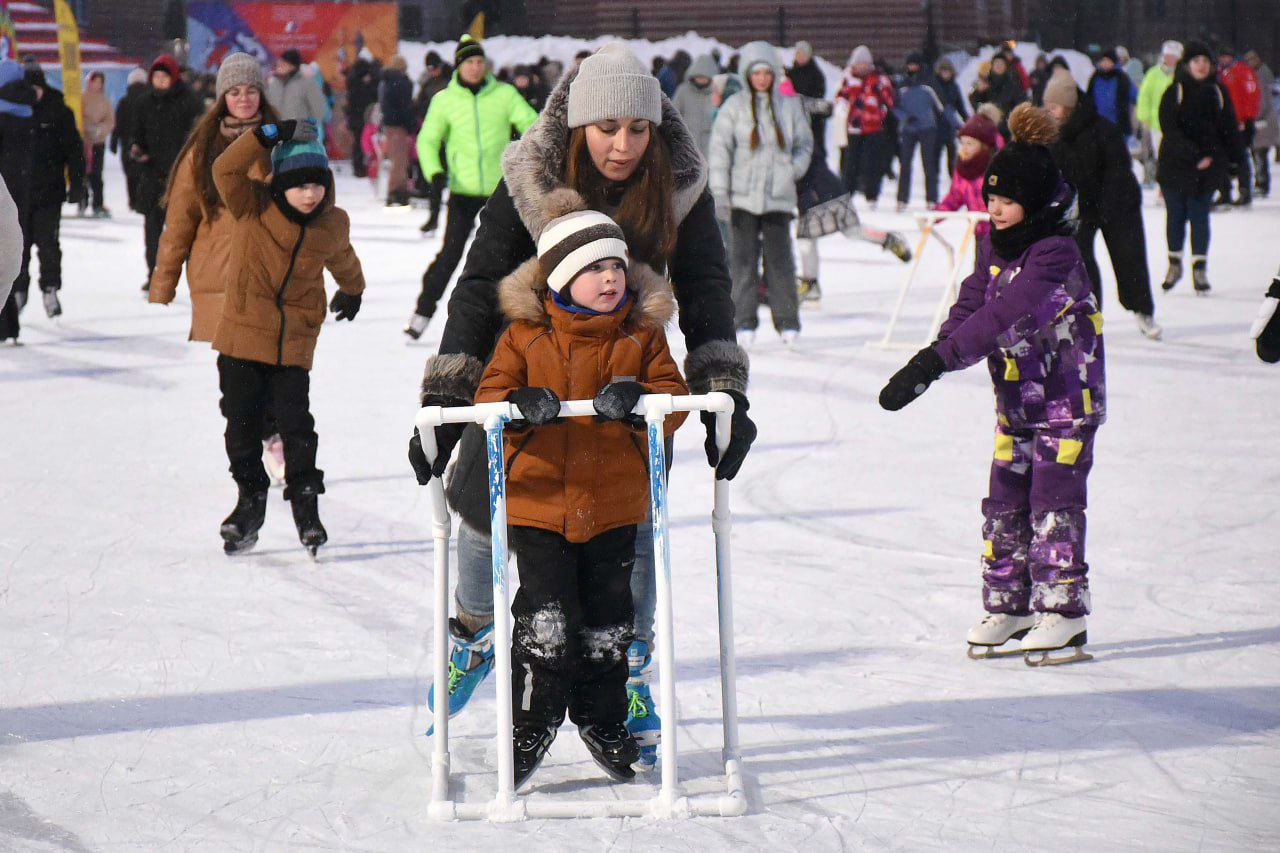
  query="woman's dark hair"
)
[
  {"x": 646, "y": 211},
  {"x": 755, "y": 124},
  {"x": 204, "y": 144}
]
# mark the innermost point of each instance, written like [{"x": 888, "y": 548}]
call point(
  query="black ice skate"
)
[
  {"x": 1200, "y": 275},
  {"x": 240, "y": 529},
  {"x": 1174, "y": 275},
  {"x": 613, "y": 748},
  {"x": 529, "y": 745},
  {"x": 306, "y": 517}
]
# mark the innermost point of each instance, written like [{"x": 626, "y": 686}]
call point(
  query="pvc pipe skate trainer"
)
[
  {"x": 927, "y": 221},
  {"x": 506, "y": 806}
]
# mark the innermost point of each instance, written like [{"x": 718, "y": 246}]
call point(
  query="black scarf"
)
[{"x": 1055, "y": 219}]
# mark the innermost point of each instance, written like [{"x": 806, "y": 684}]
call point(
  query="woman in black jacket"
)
[
  {"x": 17, "y": 144},
  {"x": 164, "y": 121},
  {"x": 627, "y": 151},
  {"x": 1093, "y": 157},
  {"x": 1199, "y": 129}
]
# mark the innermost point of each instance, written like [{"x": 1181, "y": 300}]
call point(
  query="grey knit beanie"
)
[
  {"x": 239, "y": 69},
  {"x": 612, "y": 83}
]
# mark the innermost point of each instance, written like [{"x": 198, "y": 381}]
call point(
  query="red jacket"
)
[
  {"x": 1242, "y": 85},
  {"x": 869, "y": 99}
]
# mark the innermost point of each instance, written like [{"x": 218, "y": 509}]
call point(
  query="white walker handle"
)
[{"x": 505, "y": 805}]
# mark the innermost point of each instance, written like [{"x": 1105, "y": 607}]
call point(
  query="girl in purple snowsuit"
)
[{"x": 1030, "y": 309}]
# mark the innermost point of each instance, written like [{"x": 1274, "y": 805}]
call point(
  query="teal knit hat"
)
[{"x": 296, "y": 163}]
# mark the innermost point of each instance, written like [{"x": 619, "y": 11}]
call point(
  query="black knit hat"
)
[
  {"x": 292, "y": 57},
  {"x": 1197, "y": 48},
  {"x": 1024, "y": 172},
  {"x": 467, "y": 48}
]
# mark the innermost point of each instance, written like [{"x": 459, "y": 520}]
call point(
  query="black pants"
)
[
  {"x": 862, "y": 164},
  {"x": 356, "y": 126},
  {"x": 1127, "y": 246},
  {"x": 573, "y": 623},
  {"x": 928, "y": 142},
  {"x": 949, "y": 145},
  {"x": 1242, "y": 162},
  {"x": 93, "y": 175},
  {"x": 1262, "y": 171},
  {"x": 153, "y": 227},
  {"x": 463, "y": 210},
  {"x": 249, "y": 389},
  {"x": 131, "y": 171},
  {"x": 44, "y": 221}
]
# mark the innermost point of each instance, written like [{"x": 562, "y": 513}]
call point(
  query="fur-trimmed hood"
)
[
  {"x": 523, "y": 296},
  {"x": 534, "y": 166}
]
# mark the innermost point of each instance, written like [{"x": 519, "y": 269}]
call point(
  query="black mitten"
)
[
  {"x": 615, "y": 401},
  {"x": 741, "y": 434},
  {"x": 345, "y": 306},
  {"x": 537, "y": 406},
  {"x": 911, "y": 381},
  {"x": 447, "y": 436}
]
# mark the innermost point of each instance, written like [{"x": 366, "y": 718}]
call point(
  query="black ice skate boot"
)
[
  {"x": 613, "y": 748},
  {"x": 894, "y": 243},
  {"x": 529, "y": 745},
  {"x": 306, "y": 517},
  {"x": 240, "y": 529},
  {"x": 1174, "y": 275},
  {"x": 1200, "y": 275}
]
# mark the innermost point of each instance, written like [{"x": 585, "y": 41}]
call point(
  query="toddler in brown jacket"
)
[
  {"x": 286, "y": 232},
  {"x": 585, "y": 322}
]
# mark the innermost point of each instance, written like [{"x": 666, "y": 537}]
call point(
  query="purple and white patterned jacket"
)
[{"x": 1036, "y": 320}]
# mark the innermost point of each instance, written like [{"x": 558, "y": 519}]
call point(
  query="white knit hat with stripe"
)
[{"x": 571, "y": 243}]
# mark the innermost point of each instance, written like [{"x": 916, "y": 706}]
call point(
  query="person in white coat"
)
[{"x": 761, "y": 144}]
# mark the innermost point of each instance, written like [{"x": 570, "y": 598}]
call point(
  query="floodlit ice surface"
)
[{"x": 155, "y": 694}]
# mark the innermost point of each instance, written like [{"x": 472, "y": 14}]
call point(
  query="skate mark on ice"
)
[{"x": 18, "y": 824}]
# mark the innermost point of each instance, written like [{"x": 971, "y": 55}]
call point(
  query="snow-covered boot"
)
[
  {"x": 996, "y": 629},
  {"x": 642, "y": 719},
  {"x": 306, "y": 517},
  {"x": 1053, "y": 632},
  {"x": 1174, "y": 275},
  {"x": 1200, "y": 275},
  {"x": 240, "y": 529},
  {"x": 529, "y": 745},
  {"x": 52, "y": 306},
  {"x": 273, "y": 456},
  {"x": 894, "y": 243},
  {"x": 470, "y": 662},
  {"x": 417, "y": 325},
  {"x": 613, "y": 748}
]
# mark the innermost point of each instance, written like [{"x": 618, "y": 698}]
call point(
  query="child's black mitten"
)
[
  {"x": 537, "y": 406},
  {"x": 1266, "y": 328},
  {"x": 912, "y": 381},
  {"x": 615, "y": 402},
  {"x": 344, "y": 305}
]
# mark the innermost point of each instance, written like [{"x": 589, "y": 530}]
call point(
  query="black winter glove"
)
[
  {"x": 742, "y": 434},
  {"x": 438, "y": 183},
  {"x": 345, "y": 306},
  {"x": 615, "y": 401},
  {"x": 911, "y": 381},
  {"x": 1266, "y": 329},
  {"x": 537, "y": 406},
  {"x": 270, "y": 135},
  {"x": 447, "y": 436}
]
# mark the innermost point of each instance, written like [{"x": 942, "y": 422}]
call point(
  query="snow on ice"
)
[{"x": 155, "y": 694}]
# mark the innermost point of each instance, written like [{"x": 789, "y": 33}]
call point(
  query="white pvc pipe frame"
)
[
  {"x": 506, "y": 806},
  {"x": 926, "y": 222}
]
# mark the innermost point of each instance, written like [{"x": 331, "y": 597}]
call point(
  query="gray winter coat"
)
[
  {"x": 764, "y": 180},
  {"x": 695, "y": 104},
  {"x": 10, "y": 242},
  {"x": 1268, "y": 124},
  {"x": 298, "y": 97}
]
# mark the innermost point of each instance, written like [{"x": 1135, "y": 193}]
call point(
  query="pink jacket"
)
[{"x": 966, "y": 194}]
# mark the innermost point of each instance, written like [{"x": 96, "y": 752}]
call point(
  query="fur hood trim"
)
[
  {"x": 455, "y": 375},
  {"x": 532, "y": 166},
  {"x": 717, "y": 366},
  {"x": 523, "y": 294}
]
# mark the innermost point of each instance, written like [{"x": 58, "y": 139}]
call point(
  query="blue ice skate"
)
[
  {"x": 642, "y": 719},
  {"x": 470, "y": 661}
]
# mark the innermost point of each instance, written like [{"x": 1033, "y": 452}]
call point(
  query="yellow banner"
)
[
  {"x": 69, "y": 52},
  {"x": 476, "y": 30}
]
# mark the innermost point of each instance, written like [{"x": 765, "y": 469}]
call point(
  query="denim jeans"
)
[
  {"x": 1181, "y": 208},
  {"x": 474, "y": 592}
]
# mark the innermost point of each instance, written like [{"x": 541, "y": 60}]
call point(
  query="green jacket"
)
[
  {"x": 1153, "y": 87},
  {"x": 475, "y": 130}
]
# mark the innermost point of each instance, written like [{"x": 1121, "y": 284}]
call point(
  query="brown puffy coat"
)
[
  {"x": 275, "y": 299},
  {"x": 98, "y": 117},
  {"x": 202, "y": 242},
  {"x": 580, "y": 478}
]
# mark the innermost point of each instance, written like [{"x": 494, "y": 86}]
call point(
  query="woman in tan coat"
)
[
  {"x": 586, "y": 322},
  {"x": 197, "y": 228},
  {"x": 99, "y": 121}
]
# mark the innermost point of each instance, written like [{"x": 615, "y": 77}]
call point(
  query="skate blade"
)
[
  {"x": 233, "y": 549},
  {"x": 976, "y": 652},
  {"x": 1045, "y": 658},
  {"x": 614, "y": 773}
]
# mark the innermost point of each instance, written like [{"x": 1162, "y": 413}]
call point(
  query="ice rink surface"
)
[{"x": 156, "y": 695}]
